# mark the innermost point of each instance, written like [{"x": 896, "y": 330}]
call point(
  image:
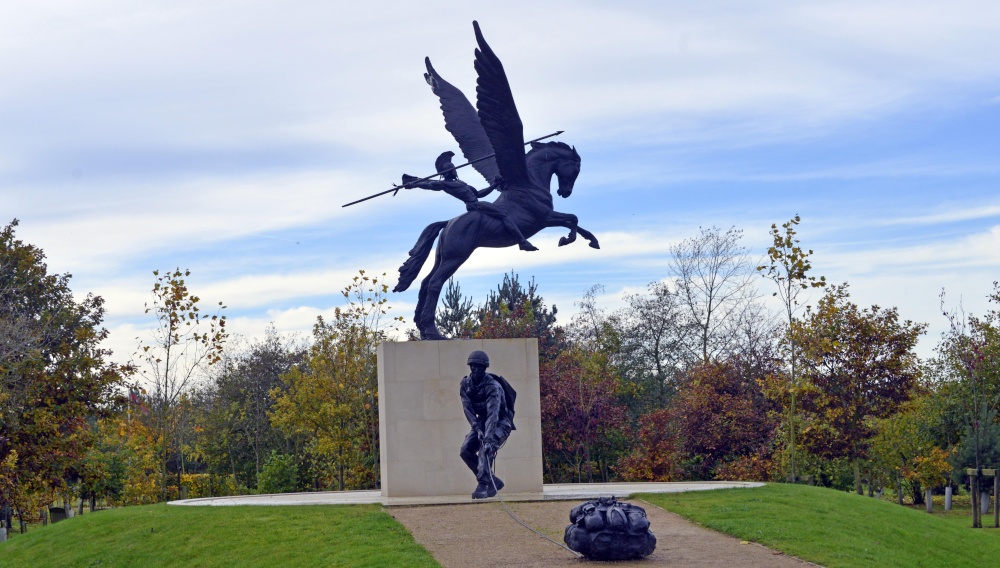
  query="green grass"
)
[
  {"x": 834, "y": 528},
  {"x": 169, "y": 535}
]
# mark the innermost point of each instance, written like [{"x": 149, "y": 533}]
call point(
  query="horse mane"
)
[{"x": 538, "y": 146}]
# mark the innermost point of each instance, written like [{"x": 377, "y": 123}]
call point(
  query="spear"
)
[{"x": 395, "y": 189}]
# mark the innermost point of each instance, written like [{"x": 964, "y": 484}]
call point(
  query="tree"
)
[
  {"x": 237, "y": 431},
  {"x": 902, "y": 439},
  {"x": 653, "y": 333},
  {"x": 657, "y": 454},
  {"x": 53, "y": 374},
  {"x": 508, "y": 298},
  {"x": 788, "y": 267},
  {"x": 714, "y": 286},
  {"x": 724, "y": 417},
  {"x": 454, "y": 316},
  {"x": 332, "y": 399},
  {"x": 860, "y": 366},
  {"x": 122, "y": 465},
  {"x": 969, "y": 354},
  {"x": 280, "y": 474},
  {"x": 183, "y": 345},
  {"x": 583, "y": 422}
]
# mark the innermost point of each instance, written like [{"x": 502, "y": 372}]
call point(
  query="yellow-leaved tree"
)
[{"x": 331, "y": 400}]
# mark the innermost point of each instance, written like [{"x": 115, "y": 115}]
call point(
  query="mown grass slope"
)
[
  {"x": 838, "y": 529},
  {"x": 168, "y": 535}
]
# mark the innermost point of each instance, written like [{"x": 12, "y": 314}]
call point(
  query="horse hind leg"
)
[
  {"x": 592, "y": 240},
  {"x": 430, "y": 292}
]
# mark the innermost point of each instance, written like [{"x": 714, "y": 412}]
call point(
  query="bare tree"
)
[{"x": 714, "y": 287}]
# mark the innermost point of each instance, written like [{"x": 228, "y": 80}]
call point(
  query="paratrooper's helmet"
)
[{"x": 479, "y": 358}]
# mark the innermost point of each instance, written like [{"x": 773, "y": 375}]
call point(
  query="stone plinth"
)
[{"x": 421, "y": 423}]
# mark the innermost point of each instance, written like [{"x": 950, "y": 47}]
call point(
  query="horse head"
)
[{"x": 559, "y": 159}]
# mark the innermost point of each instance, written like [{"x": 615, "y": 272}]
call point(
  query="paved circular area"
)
[{"x": 557, "y": 491}]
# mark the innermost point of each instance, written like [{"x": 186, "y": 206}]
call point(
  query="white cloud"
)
[
  {"x": 177, "y": 133},
  {"x": 952, "y": 215}
]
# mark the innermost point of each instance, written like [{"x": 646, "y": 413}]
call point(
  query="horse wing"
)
[
  {"x": 498, "y": 114},
  {"x": 461, "y": 120}
]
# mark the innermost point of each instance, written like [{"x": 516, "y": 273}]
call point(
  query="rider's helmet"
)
[
  {"x": 445, "y": 167},
  {"x": 479, "y": 358}
]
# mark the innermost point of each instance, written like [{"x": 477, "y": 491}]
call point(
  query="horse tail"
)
[{"x": 418, "y": 254}]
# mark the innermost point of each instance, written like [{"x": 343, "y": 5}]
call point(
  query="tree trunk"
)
[
  {"x": 857, "y": 478},
  {"x": 791, "y": 430},
  {"x": 163, "y": 471}
]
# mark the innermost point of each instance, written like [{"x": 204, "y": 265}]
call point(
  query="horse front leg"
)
[{"x": 569, "y": 221}]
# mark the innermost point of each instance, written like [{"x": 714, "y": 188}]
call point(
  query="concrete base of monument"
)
[
  {"x": 550, "y": 492},
  {"x": 422, "y": 424}
]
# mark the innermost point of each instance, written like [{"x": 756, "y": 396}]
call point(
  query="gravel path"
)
[{"x": 482, "y": 534}]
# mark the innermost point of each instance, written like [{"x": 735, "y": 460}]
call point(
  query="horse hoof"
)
[
  {"x": 594, "y": 245},
  {"x": 527, "y": 246},
  {"x": 563, "y": 241},
  {"x": 431, "y": 334}
]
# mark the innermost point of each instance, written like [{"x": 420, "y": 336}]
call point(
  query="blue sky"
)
[{"x": 225, "y": 136}]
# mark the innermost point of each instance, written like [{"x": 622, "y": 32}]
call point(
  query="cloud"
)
[
  {"x": 949, "y": 216},
  {"x": 226, "y": 136}
]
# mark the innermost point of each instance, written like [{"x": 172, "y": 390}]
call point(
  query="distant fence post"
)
[{"x": 996, "y": 500}]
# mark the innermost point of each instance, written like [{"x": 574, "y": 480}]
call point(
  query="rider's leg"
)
[
  {"x": 522, "y": 243},
  {"x": 491, "y": 210}
]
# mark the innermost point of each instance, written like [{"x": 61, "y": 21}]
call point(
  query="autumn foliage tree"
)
[
  {"x": 788, "y": 266},
  {"x": 718, "y": 417},
  {"x": 53, "y": 376},
  {"x": 900, "y": 441},
  {"x": 332, "y": 399},
  {"x": 237, "y": 435},
  {"x": 582, "y": 418},
  {"x": 860, "y": 366},
  {"x": 725, "y": 417},
  {"x": 658, "y": 451},
  {"x": 184, "y": 343}
]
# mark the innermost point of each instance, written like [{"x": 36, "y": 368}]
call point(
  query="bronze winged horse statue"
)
[{"x": 525, "y": 197}]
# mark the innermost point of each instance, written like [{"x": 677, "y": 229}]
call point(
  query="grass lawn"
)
[
  {"x": 835, "y": 528},
  {"x": 169, "y": 535}
]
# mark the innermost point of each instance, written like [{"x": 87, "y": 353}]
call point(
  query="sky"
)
[{"x": 225, "y": 136}]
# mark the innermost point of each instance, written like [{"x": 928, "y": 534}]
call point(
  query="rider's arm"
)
[
  {"x": 497, "y": 184},
  {"x": 484, "y": 192}
]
